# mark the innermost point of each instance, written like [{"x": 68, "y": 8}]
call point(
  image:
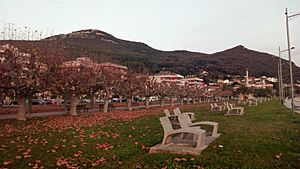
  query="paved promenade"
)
[
  {"x": 288, "y": 103},
  {"x": 57, "y": 113}
]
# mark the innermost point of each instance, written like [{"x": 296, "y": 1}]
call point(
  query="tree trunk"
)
[
  {"x": 7, "y": 100},
  {"x": 188, "y": 100},
  {"x": 106, "y": 103},
  {"x": 194, "y": 101},
  {"x": 147, "y": 102},
  {"x": 22, "y": 108},
  {"x": 92, "y": 99},
  {"x": 181, "y": 101},
  {"x": 129, "y": 104},
  {"x": 120, "y": 99},
  {"x": 162, "y": 102},
  {"x": 29, "y": 105},
  {"x": 172, "y": 101},
  {"x": 66, "y": 100},
  {"x": 73, "y": 110}
]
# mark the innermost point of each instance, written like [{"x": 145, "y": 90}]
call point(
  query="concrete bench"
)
[
  {"x": 79, "y": 107},
  {"x": 110, "y": 106}
]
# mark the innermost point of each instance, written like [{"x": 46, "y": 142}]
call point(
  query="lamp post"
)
[
  {"x": 278, "y": 70},
  {"x": 287, "y": 17},
  {"x": 280, "y": 79}
]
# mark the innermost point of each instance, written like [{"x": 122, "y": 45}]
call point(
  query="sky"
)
[{"x": 194, "y": 25}]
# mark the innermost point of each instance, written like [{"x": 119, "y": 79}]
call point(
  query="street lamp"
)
[
  {"x": 279, "y": 84},
  {"x": 287, "y": 17},
  {"x": 280, "y": 80}
]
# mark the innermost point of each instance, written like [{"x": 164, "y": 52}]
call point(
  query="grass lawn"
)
[{"x": 266, "y": 136}]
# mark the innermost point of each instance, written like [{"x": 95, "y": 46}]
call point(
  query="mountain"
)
[
  {"x": 102, "y": 46},
  {"x": 239, "y": 58}
]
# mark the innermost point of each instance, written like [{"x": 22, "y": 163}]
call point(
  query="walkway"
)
[
  {"x": 288, "y": 103},
  {"x": 58, "y": 113}
]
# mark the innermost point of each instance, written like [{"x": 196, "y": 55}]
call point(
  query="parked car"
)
[
  {"x": 84, "y": 101},
  {"x": 137, "y": 99},
  {"x": 14, "y": 102},
  {"x": 116, "y": 99},
  {"x": 38, "y": 102},
  {"x": 51, "y": 101},
  {"x": 153, "y": 98},
  {"x": 187, "y": 99},
  {"x": 59, "y": 101},
  {"x": 99, "y": 101}
]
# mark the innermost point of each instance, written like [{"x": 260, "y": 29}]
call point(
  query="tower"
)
[{"x": 247, "y": 78}]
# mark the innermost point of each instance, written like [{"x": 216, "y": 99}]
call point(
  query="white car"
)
[{"x": 153, "y": 98}]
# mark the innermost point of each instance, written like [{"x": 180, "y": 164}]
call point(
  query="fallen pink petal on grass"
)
[{"x": 7, "y": 162}]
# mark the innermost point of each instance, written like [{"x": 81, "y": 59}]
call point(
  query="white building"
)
[
  {"x": 272, "y": 79},
  {"x": 167, "y": 76},
  {"x": 87, "y": 62},
  {"x": 257, "y": 82},
  {"x": 193, "y": 81}
]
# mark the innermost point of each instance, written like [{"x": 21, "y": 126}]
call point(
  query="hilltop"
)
[{"x": 102, "y": 46}]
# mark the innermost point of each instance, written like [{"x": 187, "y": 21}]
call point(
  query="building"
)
[
  {"x": 114, "y": 67},
  {"x": 272, "y": 79},
  {"x": 226, "y": 81},
  {"x": 87, "y": 62},
  {"x": 258, "y": 82},
  {"x": 168, "y": 77},
  {"x": 193, "y": 81},
  {"x": 174, "y": 78},
  {"x": 79, "y": 62}
]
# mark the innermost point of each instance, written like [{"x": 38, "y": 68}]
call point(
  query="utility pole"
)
[
  {"x": 279, "y": 78},
  {"x": 281, "y": 81},
  {"x": 289, "y": 53},
  {"x": 280, "y": 71}
]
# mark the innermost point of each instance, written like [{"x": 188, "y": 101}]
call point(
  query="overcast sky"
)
[{"x": 195, "y": 25}]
